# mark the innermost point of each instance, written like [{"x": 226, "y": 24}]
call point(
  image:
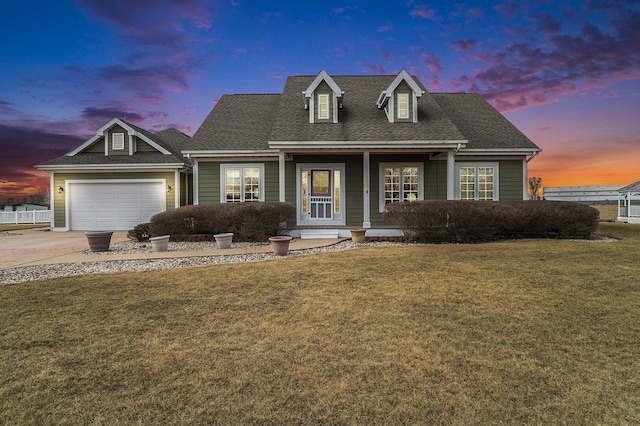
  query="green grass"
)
[{"x": 525, "y": 332}]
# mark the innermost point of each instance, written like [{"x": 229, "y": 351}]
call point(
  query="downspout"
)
[
  {"x": 455, "y": 151},
  {"x": 533, "y": 154}
]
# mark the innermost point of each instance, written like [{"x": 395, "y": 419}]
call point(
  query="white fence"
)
[{"x": 29, "y": 216}]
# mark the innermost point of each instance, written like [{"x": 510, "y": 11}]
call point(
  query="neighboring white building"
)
[
  {"x": 598, "y": 194},
  {"x": 629, "y": 203}
]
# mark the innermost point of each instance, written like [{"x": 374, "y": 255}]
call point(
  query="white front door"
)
[{"x": 320, "y": 189}]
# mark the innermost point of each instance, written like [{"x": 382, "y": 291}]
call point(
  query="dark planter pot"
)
[
  {"x": 280, "y": 244},
  {"x": 99, "y": 240}
]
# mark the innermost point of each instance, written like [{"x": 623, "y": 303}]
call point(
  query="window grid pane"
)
[
  {"x": 251, "y": 184},
  {"x": 403, "y": 105},
  {"x": 336, "y": 191},
  {"x": 485, "y": 183},
  {"x": 391, "y": 185},
  {"x": 410, "y": 183},
  {"x": 233, "y": 185},
  {"x": 323, "y": 106},
  {"x": 467, "y": 183}
]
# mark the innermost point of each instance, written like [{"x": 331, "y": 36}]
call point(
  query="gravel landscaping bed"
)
[{"x": 41, "y": 272}]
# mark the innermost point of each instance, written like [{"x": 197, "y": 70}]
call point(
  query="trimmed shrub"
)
[
  {"x": 446, "y": 221},
  {"x": 139, "y": 233},
  {"x": 247, "y": 221}
]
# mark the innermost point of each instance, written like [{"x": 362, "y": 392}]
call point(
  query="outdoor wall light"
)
[
  {"x": 168, "y": 188},
  {"x": 60, "y": 190}
]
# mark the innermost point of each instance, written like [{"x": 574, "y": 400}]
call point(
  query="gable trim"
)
[{"x": 130, "y": 131}]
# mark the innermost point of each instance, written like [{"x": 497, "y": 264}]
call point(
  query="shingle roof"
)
[
  {"x": 238, "y": 122},
  {"x": 481, "y": 124},
  {"x": 359, "y": 119},
  {"x": 249, "y": 122},
  {"x": 634, "y": 187}
]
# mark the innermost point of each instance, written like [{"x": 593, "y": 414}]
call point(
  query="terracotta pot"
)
[
  {"x": 280, "y": 244},
  {"x": 223, "y": 241},
  {"x": 99, "y": 240},
  {"x": 160, "y": 243},
  {"x": 357, "y": 235}
]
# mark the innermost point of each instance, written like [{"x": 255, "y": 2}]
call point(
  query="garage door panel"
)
[{"x": 114, "y": 206}]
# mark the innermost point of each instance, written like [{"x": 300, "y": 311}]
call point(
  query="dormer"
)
[
  {"x": 118, "y": 137},
  {"x": 400, "y": 99},
  {"x": 322, "y": 99}
]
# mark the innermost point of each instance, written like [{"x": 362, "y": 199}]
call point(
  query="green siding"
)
[
  {"x": 510, "y": 180},
  {"x": 98, "y": 146},
  {"x": 143, "y": 146},
  {"x": 271, "y": 181},
  {"x": 436, "y": 180},
  {"x": 208, "y": 182},
  {"x": 59, "y": 179}
]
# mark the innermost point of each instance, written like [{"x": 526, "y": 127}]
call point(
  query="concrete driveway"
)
[{"x": 28, "y": 247}]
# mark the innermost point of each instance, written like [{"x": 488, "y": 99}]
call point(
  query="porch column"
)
[
  {"x": 366, "y": 196},
  {"x": 451, "y": 171},
  {"x": 281, "y": 176}
]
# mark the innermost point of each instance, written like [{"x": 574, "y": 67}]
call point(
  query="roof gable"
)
[
  {"x": 131, "y": 130},
  {"x": 322, "y": 76}
]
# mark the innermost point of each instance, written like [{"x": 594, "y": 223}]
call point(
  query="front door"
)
[{"x": 320, "y": 197}]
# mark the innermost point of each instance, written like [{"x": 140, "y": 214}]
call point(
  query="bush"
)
[
  {"x": 247, "y": 221},
  {"x": 139, "y": 233},
  {"x": 441, "y": 221}
]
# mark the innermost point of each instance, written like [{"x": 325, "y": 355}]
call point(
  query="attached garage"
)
[{"x": 114, "y": 205}]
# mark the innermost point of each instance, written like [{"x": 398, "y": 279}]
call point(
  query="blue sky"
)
[{"x": 567, "y": 73}]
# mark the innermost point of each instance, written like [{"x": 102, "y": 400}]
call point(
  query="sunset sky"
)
[{"x": 567, "y": 73}]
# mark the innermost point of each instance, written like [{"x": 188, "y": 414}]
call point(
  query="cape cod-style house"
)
[{"x": 338, "y": 147}]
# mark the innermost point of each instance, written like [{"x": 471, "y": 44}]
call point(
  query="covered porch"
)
[{"x": 629, "y": 203}]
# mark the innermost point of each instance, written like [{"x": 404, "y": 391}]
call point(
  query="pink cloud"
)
[
  {"x": 421, "y": 11},
  {"x": 463, "y": 45}
]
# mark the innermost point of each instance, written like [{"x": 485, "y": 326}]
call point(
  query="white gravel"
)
[{"x": 41, "y": 272}]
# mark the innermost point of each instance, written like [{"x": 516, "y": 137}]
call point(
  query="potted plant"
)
[
  {"x": 160, "y": 243},
  {"x": 223, "y": 241},
  {"x": 280, "y": 244},
  {"x": 99, "y": 240},
  {"x": 357, "y": 235}
]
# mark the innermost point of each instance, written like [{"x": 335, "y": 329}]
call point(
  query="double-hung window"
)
[
  {"x": 477, "y": 181},
  {"x": 400, "y": 182},
  {"x": 241, "y": 183},
  {"x": 403, "y": 105},
  {"x": 323, "y": 106}
]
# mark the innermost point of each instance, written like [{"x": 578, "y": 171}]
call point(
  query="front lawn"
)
[{"x": 518, "y": 332}]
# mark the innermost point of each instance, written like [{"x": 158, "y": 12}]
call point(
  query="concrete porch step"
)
[{"x": 318, "y": 233}]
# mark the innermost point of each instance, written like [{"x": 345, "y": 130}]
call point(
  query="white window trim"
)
[
  {"x": 476, "y": 165},
  {"x": 119, "y": 141},
  {"x": 324, "y": 96},
  {"x": 241, "y": 166},
  {"x": 408, "y": 115},
  {"x": 383, "y": 166}
]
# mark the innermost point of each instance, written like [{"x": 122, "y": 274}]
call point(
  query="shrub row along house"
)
[{"x": 338, "y": 147}]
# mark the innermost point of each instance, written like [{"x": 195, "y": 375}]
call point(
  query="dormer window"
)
[
  {"x": 403, "y": 105},
  {"x": 400, "y": 100},
  {"x": 323, "y": 106},
  {"x": 323, "y": 99}
]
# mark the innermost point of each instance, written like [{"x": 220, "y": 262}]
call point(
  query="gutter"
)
[{"x": 533, "y": 154}]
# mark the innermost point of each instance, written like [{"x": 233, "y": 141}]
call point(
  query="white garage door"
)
[{"x": 114, "y": 206}]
